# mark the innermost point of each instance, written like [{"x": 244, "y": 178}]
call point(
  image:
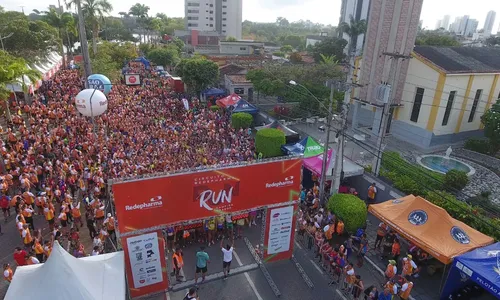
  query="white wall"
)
[
  {"x": 452, "y": 83},
  {"x": 234, "y": 18},
  {"x": 203, "y": 14},
  {"x": 483, "y": 82},
  {"x": 419, "y": 75}
]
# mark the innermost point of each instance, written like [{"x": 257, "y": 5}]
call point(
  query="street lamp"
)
[{"x": 327, "y": 141}]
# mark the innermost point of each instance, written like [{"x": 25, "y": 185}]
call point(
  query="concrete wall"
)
[
  {"x": 236, "y": 49},
  {"x": 411, "y": 133}
]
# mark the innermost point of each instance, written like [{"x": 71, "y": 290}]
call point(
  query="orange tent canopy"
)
[{"x": 430, "y": 227}]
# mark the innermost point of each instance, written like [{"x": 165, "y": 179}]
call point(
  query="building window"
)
[
  {"x": 243, "y": 48},
  {"x": 194, "y": 11},
  {"x": 211, "y": 11},
  {"x": 224, "y": 13},
  {"x": 498, "y": 95},
  {"x": 239, "y": 91},
  {"x": 192, "y": 24},
  {"x": 474, "y": 105},
  {"x": 211, "y": 25},
  {"x": 223, "y": 31},
  {"x": 224, "y": 19},
  {"x": 192, "y": 18},
  {"x": 223, "y": 25},
  {"x": 419, "y": 95},
  {"x": 211, "y": 19},
  {"x": 449, "y": 106},
  {"x": 193, "y": 4},
  {"x": 224, "y": 6}
]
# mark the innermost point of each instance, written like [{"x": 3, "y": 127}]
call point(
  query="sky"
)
[{"x": 318, "y": 11}]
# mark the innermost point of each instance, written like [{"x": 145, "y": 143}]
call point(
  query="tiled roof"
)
[
  {"x": 462, "y": 59},
  {"x": 230, "y": 69},
  {"x": 238, "y": 78}
]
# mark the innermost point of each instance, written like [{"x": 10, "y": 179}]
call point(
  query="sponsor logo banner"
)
[{"x": 151, "y": 202}]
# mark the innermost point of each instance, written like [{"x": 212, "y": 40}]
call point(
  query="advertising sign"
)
[
  {"x": 151, "y": 202},
  {"x": 280, "y": 230},
  {"x": 145, "y": 263},
  {"x": 132, "y": 79},
  {"x": 280, "y": 233}
]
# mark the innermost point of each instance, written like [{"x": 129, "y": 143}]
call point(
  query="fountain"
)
[{"x": 443, "y": 164}]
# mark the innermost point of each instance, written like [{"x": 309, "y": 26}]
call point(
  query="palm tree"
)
[
  {"x": 61, "y": 21},
  {"x": 82, "y": 34},
  {"x": 353, "y": 29},
  {"x": 141, "y": 12},
  {"x": 13, "y": 70},
  {"x": 94, "y": 11}
]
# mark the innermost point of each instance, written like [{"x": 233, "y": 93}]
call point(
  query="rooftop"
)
[
  {"x": 455, "y": 60},
  {"x": 238, "y": 78},
  {"x": 230, "y": 69}
]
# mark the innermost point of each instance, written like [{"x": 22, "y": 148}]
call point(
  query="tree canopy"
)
[
  {"x": 31, "y": 40},
  {"x": 491, "y": 121},
  {"x": 328, "y": 47},
  {"x": 198, "y": 73},
  {"x": 111, "y": 58},
  {"x": 164, "y": 56},
  {"x": 493, "y": 41},
  {"x": 273, "y": 80},
  {"x": 436, "y": 38}
]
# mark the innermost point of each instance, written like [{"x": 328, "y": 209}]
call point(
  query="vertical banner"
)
[
  {"x": 145, "y": 263},
  {"x": 186, "y": 104},
  {"x": 280, "y": 233}
]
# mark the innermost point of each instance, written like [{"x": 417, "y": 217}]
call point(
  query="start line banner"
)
[{"x": 151, "y": 202}]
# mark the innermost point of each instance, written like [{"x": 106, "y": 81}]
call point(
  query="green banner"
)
[{"x": 312, "y": 148}]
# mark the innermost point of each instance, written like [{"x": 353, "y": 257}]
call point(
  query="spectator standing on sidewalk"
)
[
  {"x": 372, "y": 193},
  {"x": 178, "y": 263},
  {"x": 202, "y": 259},
  {"x": 381, "y": 232},
  {"x": 19, "y": 255},
  {"x": 5, "y": 205},
  {"x": 227, "y": 257}
]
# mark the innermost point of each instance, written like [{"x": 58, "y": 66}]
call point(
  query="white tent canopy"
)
[
  {"x": 47, "y": 68},
  {"x": 66, "y": 277}
]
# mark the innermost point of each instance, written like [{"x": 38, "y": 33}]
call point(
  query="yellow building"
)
[{"x": 446, "y": 91}]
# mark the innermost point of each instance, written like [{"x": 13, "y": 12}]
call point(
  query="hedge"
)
[
  {"x": 350, "y": 209},
  {"x": 478, "y": 145},
  {"x": 455, "y": 180},
  {"x": 214, "y": 108},
  {"x": 241, "y": 120},
  {"x": 268, "y": 141}
]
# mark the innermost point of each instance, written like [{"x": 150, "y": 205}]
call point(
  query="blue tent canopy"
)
[
  {"x": 244, "y": 106},
  {"x": 214, "y": 92},
  {"x": 480, "y": 266},
  {"x": 143, "y": 60},
  {"x": 295, "y": 149}
]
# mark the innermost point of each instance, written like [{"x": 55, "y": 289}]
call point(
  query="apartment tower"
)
[
  {"x": 358, "y": 9},
  {"x": 222, "y": 16}
]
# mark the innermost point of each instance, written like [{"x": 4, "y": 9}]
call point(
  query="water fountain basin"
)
[{"x": 443, "y": 164}]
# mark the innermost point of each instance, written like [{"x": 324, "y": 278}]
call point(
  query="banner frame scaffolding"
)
[{"x": 161, "y": 227}]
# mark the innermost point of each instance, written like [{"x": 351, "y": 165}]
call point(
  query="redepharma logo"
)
[
  {"x": 286, "y": 182},
  {"x": 154, "y": 202}
]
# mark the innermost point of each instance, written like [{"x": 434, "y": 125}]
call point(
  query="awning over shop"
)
[
  {"x": 481, "y": 266},
  {"x": 430, "y": 227}
]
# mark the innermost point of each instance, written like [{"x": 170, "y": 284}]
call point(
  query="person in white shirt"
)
[
  {"x": 228, "y": 257},
  {"x": 95, "y": 251}
]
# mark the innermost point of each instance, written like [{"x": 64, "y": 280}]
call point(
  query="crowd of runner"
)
[{"x": 57, "y": 166}]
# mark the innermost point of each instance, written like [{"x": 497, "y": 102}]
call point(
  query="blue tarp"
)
[
  {"x": 480, "y": 266},
  {"x": 144, "y": 61},
  {"x": 244, "y": 106},
  {"x": 214, "y": 92}
]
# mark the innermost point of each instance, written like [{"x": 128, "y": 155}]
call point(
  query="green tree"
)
[
  {"x": 268, "y": 141},
  {"x": 198, "y": 73},
  {"x": 111, "y": 58},
  {"x": 115, "y": 30},
  {"x": 178, "y": 43},
  {"x": 231, "y": 39},
  {"x": 241, "y": 120},
  {"x": 141, "y": 12},
  {"x": 350, "y": 209},
  {"x": 328, "y": 47},
  {"x": 436, "y": 38},
  {"x": 286, "y": 48},
  {"x": 94, "y": 11},
  {"x": 295, "y": 41},
  {"x": 279, "y": 54},
  {"x": 353, "y": 29},
  {"x": 282, "y": 21},
  {"x": 12, "y": 70},
  {"x": 31, "y": 40},
  {"x": 62, "y": 22},
  {"x": 491, "y": 121},
  {"x": 164, "y": 56}
]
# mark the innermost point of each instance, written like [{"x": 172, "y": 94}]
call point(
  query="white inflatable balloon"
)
[{"x": 90, "y": 102}]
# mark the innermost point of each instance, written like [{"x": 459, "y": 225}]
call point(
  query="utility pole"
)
[
  {"x": 385, "y": 95},
  {"x": 324, "y": 166}
]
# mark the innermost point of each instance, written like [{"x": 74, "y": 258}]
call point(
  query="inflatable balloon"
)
[
  {"x": 91, "y": 102},
  {"x": 100, "y": 82}
]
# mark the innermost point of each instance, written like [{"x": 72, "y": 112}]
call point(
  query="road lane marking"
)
[
  {"x": 317, "y": 267},
  {"x": 298, "y": 245},
  {"x": 340, "y": 294},
  {"x": 250, "y": 281},
  {"x": 168, "y": 295}
]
